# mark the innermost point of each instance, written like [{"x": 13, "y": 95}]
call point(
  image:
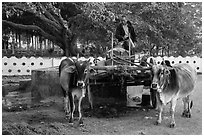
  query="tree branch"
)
[
  {"x": 40, "y": 15},
  {"x": 49, "y": 23},
  {"x": 61, "y": 21},
  {"x": 49, "y": 16},
  {"x": 31, "y": 27}
]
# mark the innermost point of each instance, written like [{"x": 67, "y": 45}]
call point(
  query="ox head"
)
[
  {"x": 82, "y": 68},
  {"x": 161, "y": 75}
]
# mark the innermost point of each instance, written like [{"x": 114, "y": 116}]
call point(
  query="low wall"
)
[
  {"x": 45, "y": 83},
  {"x": 195, "y": 61},
  {"x": 24, "y": 66}
]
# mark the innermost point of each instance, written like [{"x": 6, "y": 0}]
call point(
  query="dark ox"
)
[
  {"x": 172, "y": 83},
  {"x": 73, "y": 79}
]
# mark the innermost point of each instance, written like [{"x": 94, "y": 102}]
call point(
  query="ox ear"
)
[
  {"x": 70, "y": 69},
  {"x": 167, "y": 72},
  {"x": 91, "y": 70},
  {"x": 88, "y": 62},
  {"x": 149, "y": 62},
  {"x": 152, "y": 61},
  {"x": 86, "y": 71}
]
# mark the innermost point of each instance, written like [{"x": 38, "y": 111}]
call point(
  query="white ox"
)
[{"x": 172, "y": 83}]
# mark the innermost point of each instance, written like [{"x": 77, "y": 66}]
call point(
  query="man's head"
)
[{"x": 123, "y": 19}]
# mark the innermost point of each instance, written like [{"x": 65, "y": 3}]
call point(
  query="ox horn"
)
[
  {"x": 151, "y": 62},
  {"x": 164, "y": 63},
  {"x": 77, "y": 56}
]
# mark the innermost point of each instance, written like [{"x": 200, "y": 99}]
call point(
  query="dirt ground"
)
[{"x": 48, "y": 118}]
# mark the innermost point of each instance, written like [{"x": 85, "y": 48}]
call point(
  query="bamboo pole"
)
[
  {"x": 130, "y": 42},
  {"x": 112, "y": 48},
  {"x": 129, "y": 45}
]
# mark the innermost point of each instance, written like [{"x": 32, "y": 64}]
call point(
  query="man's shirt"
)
[{"x": 125, "y": 27}]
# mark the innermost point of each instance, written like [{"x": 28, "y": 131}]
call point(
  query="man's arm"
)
[
  {"x": 118, "y": 33},
  {"x": 132, "y": 31}
]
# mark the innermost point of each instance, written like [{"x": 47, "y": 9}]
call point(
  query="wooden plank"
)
[{"x": 120, "y": 67}]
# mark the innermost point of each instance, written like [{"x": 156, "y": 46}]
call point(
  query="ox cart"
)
[{"x": 122, "y": 70}]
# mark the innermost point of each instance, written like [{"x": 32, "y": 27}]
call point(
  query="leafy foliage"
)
[
  {"x": 167, "y": 26},
  {"x": 173, "y": 27},
  {"x": 42, "y": 19}
]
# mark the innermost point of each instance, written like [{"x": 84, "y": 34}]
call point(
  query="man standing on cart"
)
[{"x": 125, "y": 33}]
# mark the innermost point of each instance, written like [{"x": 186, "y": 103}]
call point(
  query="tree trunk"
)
[
  {"x": 5, "y": 44},
  {"x": 48, "y": 44},
  {"x": 52, "y": 45},
  {"x": 168, "y": 51},
  {"x": 13, "y": 44},
  {"x": 19, "y": 39},
  {"x": 69, "y": 43},
  {"x": 67, "y": 51},
  {"x": 41, "y": 52},
  {"x": 16, "y": 38},
  {"x": 35, "y": 43},
  {"x": 32, "y": 42},
  {"x": 28, "y": 42},
  {"x": 67, "y": 48},
  {"x": 45, "y": 42},
  {"x": 163, "y": 52},
  {"x": 157, "y": 50}
]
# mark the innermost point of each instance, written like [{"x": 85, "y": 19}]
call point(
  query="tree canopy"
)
[{"x": 170, "y": 26}]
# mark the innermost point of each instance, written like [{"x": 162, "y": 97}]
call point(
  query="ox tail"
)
[
  {"x": 63, "y": 91},
  {"x": 60, "y": 69},
  {"x": 191, "y": 104},
  {"x": 71, "y": 101}
]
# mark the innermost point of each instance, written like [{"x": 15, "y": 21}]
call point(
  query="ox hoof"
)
[
  {"x": 80, "y": 123},
  {"x": 67, "y": 113},
  {"x": 157, "y": 123},
  {"x": 66, "y": 117},
  {"x": 71, "y": 121},
  {"x": 172, "y": 125},
  {"x": 183, "y": 114},
  {"x": 186, "y": 114}
]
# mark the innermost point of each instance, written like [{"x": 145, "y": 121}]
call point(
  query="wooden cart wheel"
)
[{"x": 153, "y": 98}]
